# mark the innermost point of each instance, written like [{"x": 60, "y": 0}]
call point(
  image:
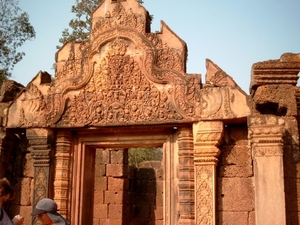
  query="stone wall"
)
[
  {"x": 235, "y": 191},
  {"x": 126, "y": 195}
]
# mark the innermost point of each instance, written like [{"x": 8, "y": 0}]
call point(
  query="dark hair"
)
[{"x": 6, "y": 188}]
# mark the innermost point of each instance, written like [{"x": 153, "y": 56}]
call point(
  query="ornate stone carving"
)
[
  {"x": 205, "y": 195},
  {"x": 216, "y": 76},
  {"x": 61, "y": 181},
  {"x": 266, "y": 134},
  {"x": 186, "y": 176},
  {"x": 38, "y": 141},
  {"x": 123, "y": 75},
  {"x": 119, "y": 16},
  {"x": 207, "y": 136}
]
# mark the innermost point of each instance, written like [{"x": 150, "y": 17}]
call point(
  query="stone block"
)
[
  {"x": 145, "y": 198},
  {"x": 22, "y": 192},
  {"x": 10, "y": 90},
  {"x": 235, "y": 161},
  {"x": 28, "y": 168},
  {"x": 157, "y": 213},
  {"x": 100, "y": 170},
  {"x": 116, "y": 170},
  {"x": 145, "y": 174},
  {"x": 233, "y": 218},
  {"x": 25, "y": 198},
  {"x": 119, "y": 156},
  {"x": 236, "y": 134},
  {"x": 118, "y": 184},
  {"x": 116, "y": 197},
  {"x": 111, "y": 222},
  {"x": 100, "y": 183},
  {"x": 292, "y": 218},
  {"x": 139, "y": 221},
  {"x": 251, "y": 220},
  {"x": 96, "y": 221},
  {"x": 141, "y": 212},
  {"x": 147, "y": 186},
  {"x": 102, "y": 156},
  {"x": 101, "y": 211},
  {"x": 99, "y": 197},
  {"x": 235, "y": 194},
  {"x": 276, "y": 99},
  {"x": 118, "y": 211},
  {"x": 160, "y": 222},
  {"x": 159, "y": 199}
]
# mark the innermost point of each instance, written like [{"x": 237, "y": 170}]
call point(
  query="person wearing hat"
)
[
  {"x": 46, "y": 211},
  {"x": 7, "y": 193}
]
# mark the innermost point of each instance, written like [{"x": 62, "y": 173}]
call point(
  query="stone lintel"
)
[{"x": 282, "y": 71}]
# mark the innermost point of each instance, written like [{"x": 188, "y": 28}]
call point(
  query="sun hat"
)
[{"x": 47, "y": 205}]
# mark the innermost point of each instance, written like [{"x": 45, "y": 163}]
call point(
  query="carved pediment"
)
[{"x": 125, "y": 75}]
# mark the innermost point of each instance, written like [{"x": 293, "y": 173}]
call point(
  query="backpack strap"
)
[{"x": 1, "y": 214}]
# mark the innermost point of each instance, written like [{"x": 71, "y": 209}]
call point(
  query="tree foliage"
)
[
  {"x": 15, "y": 29},
  {"x": 80, "y": 26},
  {"x": 138, "y": 155}
]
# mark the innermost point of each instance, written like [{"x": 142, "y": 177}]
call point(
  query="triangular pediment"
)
[{"x": 125, "y": 75}]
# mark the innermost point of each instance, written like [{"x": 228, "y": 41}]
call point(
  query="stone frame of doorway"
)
[{"x": 86, "y": 141}]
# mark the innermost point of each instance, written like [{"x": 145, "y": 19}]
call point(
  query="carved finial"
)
[{"x": 216, "y": 76}]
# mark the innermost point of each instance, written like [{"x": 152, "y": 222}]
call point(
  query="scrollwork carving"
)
[{"x": 205, "y": 195}]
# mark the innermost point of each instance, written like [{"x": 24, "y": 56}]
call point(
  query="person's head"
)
[
  {"x": 46, "y": 211},
  {"x": 6, "y": 191}
]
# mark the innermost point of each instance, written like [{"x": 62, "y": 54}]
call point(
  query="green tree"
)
[
  {"x": 80, "y": 27},
  {"x": 15, "y": 29},
  {"x": 138, "y": 155}
]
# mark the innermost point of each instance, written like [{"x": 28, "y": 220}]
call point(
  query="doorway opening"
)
[{"x": 128, "y": 187}]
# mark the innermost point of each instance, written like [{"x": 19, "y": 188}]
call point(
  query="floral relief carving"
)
[
  {"x": 204, "y": 192},
  {"x": 123, "y": 75},
  {"x": 118, "y": 93}
]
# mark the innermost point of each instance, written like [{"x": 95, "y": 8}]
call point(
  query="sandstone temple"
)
[{"x": 228, "y": 158}]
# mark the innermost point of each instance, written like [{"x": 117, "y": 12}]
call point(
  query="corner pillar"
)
[
  {"x": 266, "y": 134},
  {"x": 62, "y": 171},
  {"x": 207, "y": 136},
  {"x": 40, "y": 151},
  {"x": 186, "y": 177}
]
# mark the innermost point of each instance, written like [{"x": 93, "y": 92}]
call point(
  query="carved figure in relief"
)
[{"x": 119, "y": 17}]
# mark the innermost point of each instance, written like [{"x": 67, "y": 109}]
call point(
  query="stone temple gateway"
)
[{"x": 228, "y": 157}]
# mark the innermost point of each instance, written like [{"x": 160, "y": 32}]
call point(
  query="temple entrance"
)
[{"x": 109, "y": 183}]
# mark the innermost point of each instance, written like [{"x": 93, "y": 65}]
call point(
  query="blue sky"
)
[{"x": 234, "y": 34}]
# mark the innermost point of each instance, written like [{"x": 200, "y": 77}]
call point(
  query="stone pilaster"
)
[
  {"x": 207, "y": 136},
  {"x": 62, "y": 170},
  {"x": 40, "y": 151},
  {"x": 186, "y": 177},
  {"x": 266, "y": 134}
]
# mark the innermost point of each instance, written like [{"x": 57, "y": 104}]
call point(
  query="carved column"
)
[
  {"x": 266, "y": 133},
  {"x": 62, "y": 170},
  {"x": 40, "y": 151},
  {"x": 207, "y": 136},
  {"x": 186, "y": 177}
]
